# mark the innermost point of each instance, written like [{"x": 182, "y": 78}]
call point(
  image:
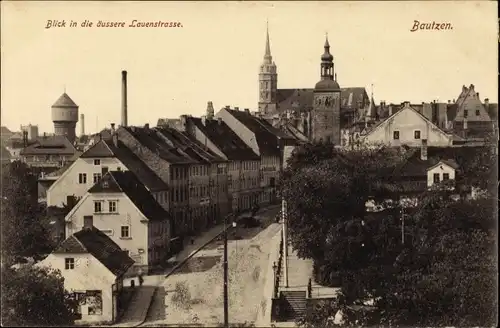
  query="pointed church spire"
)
[
  {"x": 267, "y": 55},
  {"x": 327, "y": 44}
]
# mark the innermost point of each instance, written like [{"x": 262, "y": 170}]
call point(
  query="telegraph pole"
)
[
  {"x": 285, "y": 242},
  {"x": 226, "y": 302}
]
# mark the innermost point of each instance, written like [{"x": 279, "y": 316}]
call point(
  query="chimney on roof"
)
[
  {"x": 486, "y": 102},
  {"x": 236, "y": 108},
  {"x": 406, "y": 104},
  {"x": 390, "y": 110},
  {"x": 227, "y": 107},
  {"x": 464, "y": 88},
  {"x": 247, "y": 110},
  {"x": 82, "y": 125},
  {"x": 423, "y": 150},
  {"x": 210, "y": 110},
  {"x": 219, "y": 120},
  {"x": 477, "y": 95},
  {"x": 449, "y": 101},
  {"x": 114, "y": 135},
  {"x": 183, "y": 122},
  {"x": 454, "y": 100},
  {"x": 471, "y": 87},
  {"x": 204, "y": 120},
  {"x": 146, "y": 126},
  {"x": 124, "y": 98}
]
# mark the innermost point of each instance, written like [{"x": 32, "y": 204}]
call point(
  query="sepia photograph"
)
[{"x": 249, "y": 164}]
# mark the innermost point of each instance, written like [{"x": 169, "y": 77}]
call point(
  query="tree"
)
[
  {"x": 23, "y": 233},
  {"x": 34, "y": 296},
  {"x": 326, "y": 188},
  {"x": 443, "y": 273}
]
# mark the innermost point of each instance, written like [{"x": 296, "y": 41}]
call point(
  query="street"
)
[{"x": 202, "y": 299}]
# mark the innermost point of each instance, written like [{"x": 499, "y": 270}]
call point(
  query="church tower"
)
[
  {"x": 268, "y": 81},
  {"x": 325, "y": 115}
]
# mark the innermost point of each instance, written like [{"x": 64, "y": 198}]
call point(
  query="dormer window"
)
[
  {"x": 477, "y": 112},
  {"x": 466, "y": 113}
]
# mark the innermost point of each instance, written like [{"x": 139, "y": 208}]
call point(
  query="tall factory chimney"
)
[
  {"x": 124, "y": 98},
  {"x": 82, "y": 125}
]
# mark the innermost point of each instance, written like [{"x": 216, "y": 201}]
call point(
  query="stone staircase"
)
[{"x": 294, "y": 305}]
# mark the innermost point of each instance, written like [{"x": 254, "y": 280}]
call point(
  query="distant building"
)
[
  {"x": 49, "y": 152},
  {"x": 407, "y": 126},
  {"x": 31, "y": 130},
  {"x": 305, "y": 109},
  {"x": 121, "y": 207},
  {"x": 93, "y": 268},
  {"x": 65, "y": 117}
]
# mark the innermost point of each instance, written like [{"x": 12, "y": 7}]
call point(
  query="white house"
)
[
  {"x": 442, "y": 171},
  {"x": 121, "y": 206},
  {"x": 407, "y": 127},
  {"x": 93, "y": 267},
  {"x": 103, "y": 156}
]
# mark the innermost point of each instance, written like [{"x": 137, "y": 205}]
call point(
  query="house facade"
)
[
  {"x": 120, "y": 206},
  {"x": 93, "y": 267},
  {"x": 104, "y": 156},
  {"x": 265, "y": 141},
  {"x": 216, "y": 135},
  {"x": 442, "y": 171},
  {"x": 407, "y": 127}
]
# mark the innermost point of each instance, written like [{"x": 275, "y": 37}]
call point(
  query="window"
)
[
  {"x": 118, "y": 168},
  {"x": 69, "y": 263},
  {"x": 477, "y": 112},
  {"x": 125, "y": 232},
  {"x": 112, "y": 206},
  {"x": 97, "y": 162},
  {"x": 395, "y": 135},
  {"x": 97, "y": 207},
  {"x": 104, "y": 170},
  {"x": 82, "y": 178},
  {"x": 436, "y": 177},
  {"x": 416, "y": 134},
  {"x": 446, "y": 176},
  {"x": 97, "y": 177},
  {"x": 126, "y": 251},
  {"x": 88, "y": 221},
  {"x": 466, "y": 113}
]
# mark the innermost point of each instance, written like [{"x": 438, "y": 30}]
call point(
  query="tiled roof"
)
[
  {"x": 106, "y": 148},
  {"x": 128, "y": 183},
  {"x": 492, "y": 110},
  {"x": 60, "y": 171},
  {"x": 295, "y": 99},
  {"x": 302, "y": 99},
  {"x": 225, "y": 139},
  {"x": 267, "y": 141},
  {"x": 53, "y": 145},
  {"x": 189, "y": 145},
  {"x": 168, "y": 121},
  {"x": 100, "y": 246},
  {"x": 5, "y": 130},
  {"x": 64, "y": 101},
  {"x": 150, "y": 139}
]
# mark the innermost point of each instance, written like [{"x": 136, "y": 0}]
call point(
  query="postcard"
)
[{"x": 248, "y": 163}]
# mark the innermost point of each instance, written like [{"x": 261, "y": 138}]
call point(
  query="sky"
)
[{"x": 216, "y": 54}]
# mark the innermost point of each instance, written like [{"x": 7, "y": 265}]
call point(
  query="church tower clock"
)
[
  {"x": 325, "y": 115},
  {"x": 268, "y": 82}
]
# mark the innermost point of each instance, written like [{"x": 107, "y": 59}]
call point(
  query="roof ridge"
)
[{"x": 79, "y": 242}]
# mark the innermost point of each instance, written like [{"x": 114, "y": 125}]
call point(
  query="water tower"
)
[{"x": 65, "y": 117}]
